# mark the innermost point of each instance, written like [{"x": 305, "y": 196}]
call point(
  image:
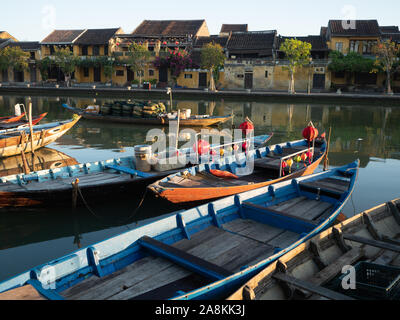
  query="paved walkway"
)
[{"x": 369, "y": 98}]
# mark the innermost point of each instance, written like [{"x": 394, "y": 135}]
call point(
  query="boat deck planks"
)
[
  {"x": 23, "y": 293},
  {"x": 225, "y": 249}
]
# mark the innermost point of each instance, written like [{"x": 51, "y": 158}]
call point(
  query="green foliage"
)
[
  {"x": 212, "y": 56},
  {"x": 138, "y": 57},
  {"x": 14, "y": 57},
  {"x": 352, "y": 62},
  {"x": 297, "y": 52},
  {"x": 44, "y": 66},
  {"x": 65, "y": 60}
]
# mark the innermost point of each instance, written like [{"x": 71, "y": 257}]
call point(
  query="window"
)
[
  {"x": 120, "y": 73},
  {"x": 339, "y": 46},
  {"x": 85, "y": 50},
  {"x": 96, "y": 50},
  {"x": 188, "y": 76},
  {"x": 266, "y": 74},
  {"x": 151, "y": 73},
  {"x": 32, "y": 55},
  {"x": 140, "y": 73},
  {"x": 86, "y": 72},
  {"x": 368, "y": 46},
  {"x": 240, "y": 76},
  {"x": 52, "y": 50},
  {"x": 354, "y": 46},
  {"x": 106, "y": 50}
]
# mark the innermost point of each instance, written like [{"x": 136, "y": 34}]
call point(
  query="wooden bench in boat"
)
[
  {"x": 310, "y": 287},
  {"x": 282, "y": 219},
  {"x": 185, "y": 259},
  {"x": 129, "y": 171}
]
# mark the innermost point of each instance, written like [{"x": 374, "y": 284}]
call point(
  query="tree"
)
[
  {"x": 387, "y": 59},
  {"x": 298, "y": 53},
  {"x": 66, "y": 61},
  {"x": 212, "y": 59},
  {"x": 15, "y": 58},
  {"x": 138, "y": 58},
  {"x": 176, "y": 61},
  {"x": 351, "y": 63}
]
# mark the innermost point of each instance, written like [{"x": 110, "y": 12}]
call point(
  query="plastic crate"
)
[{"x": 375, "y": 281}]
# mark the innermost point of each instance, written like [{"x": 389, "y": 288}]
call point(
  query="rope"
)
[{"x": 102, "y": 218}]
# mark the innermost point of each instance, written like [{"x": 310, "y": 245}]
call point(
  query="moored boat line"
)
[{"x": 202, "y": 253}]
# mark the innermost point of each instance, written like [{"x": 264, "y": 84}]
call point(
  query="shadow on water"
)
[{"x": 27, "y": 239}]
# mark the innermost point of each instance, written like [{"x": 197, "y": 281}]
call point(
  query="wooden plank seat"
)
[
  {"x": 129, "y": 171},
  {"x": 310, "y": 287},
  {"x": 280, "y": 219},
  {"x": 185, "y": 259},
  {"x": 27, "y": 292}
]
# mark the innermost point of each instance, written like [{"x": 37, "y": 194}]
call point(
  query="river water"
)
[{"x": 27, "y": 239}]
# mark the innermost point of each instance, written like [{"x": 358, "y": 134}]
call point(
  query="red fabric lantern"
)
[
  {"x": 284, "y": 166},
  {"x": 310, "y": 133},
  {"x": 247, "y": 127},
  {"x": 213, "y": 152},
  {"x": 203, "y": 147}
]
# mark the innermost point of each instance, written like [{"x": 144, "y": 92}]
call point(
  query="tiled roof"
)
[
  {"x": 252, "y": 41},
  {"x": 96, "y": 36},
  {"x": 26, "y": 45},
  {"x": 362, "y": 28},
  {"x": 62, "y": 36},
  {"x": 169, "y": 27},
  {"x": 389, "y": 29},
  {"x": 227, "y": 28},
  {"x": 201, "y": 41},
  {"x": 318, "y": 42}
]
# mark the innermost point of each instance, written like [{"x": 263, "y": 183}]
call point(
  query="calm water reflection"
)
[{"x": 27, "y": 239}]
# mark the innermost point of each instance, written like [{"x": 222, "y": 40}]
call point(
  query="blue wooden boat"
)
[
  {"x": 203, "y": 253},
  {"x": 97, "y": 181}
]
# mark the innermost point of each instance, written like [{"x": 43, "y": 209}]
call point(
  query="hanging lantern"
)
[
  {"x": 247, "y": 126},
  {"x": 221, "y": 152},
  {"x": 290, "y": 163},
  {"x": 297, "y": 160},
  {"x": 310, "y": 133},
  {"x": 244, "y": 146},
  {"x": 284, "y": 166},
  {"x": 203, "y": 147},
  {"x": 304, "y": 158},
  {"x": 309, "y": 156},
  {"x": 213, "y": 152},
  {"x": 165, "y": 43},
  {"x": 236, "y": 147}
]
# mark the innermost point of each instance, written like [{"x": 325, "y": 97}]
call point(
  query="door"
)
[
  {"x": 130, "y": 75},
  {"x": 203, "y": 80},
  {"x": 163, "y": 74},
  {"x": 319, "y": 81},
  {"x": 32, "y": 71},
  {"x": 18, "y": 76},
  {"x": 4, "y": 75},
  {"x": 248, "y": 80},
  {"x": 97, "y": 74}
]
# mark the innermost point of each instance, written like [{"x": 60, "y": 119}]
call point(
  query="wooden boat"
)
[
  {"x": 199, "y": 184},
  {"x": 19, "y": 124},
  {"x": 16, "y": 141},
  {"x": 202, "y": 253},
  {"x": 10, "y": 119},
  {"x": 44, "y": 159},
  {"x": 194, "y": 121},
  {"x": 97, "y": 181},
  {"x": 367, "y": 244}
]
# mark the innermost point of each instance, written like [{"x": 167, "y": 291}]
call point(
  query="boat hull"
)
[
  {"x": 16, "y": 144},
  {"x": 192, "y": 122},
  {"x": 192, "y": 195}
]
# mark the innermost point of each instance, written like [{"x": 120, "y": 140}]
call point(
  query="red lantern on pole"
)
[
  {"x": 203, "y": 147},
  {"x": 247, "y": 126},
  {"x": 310, "y": 133},
  {"x": 284, "y": 166}
]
